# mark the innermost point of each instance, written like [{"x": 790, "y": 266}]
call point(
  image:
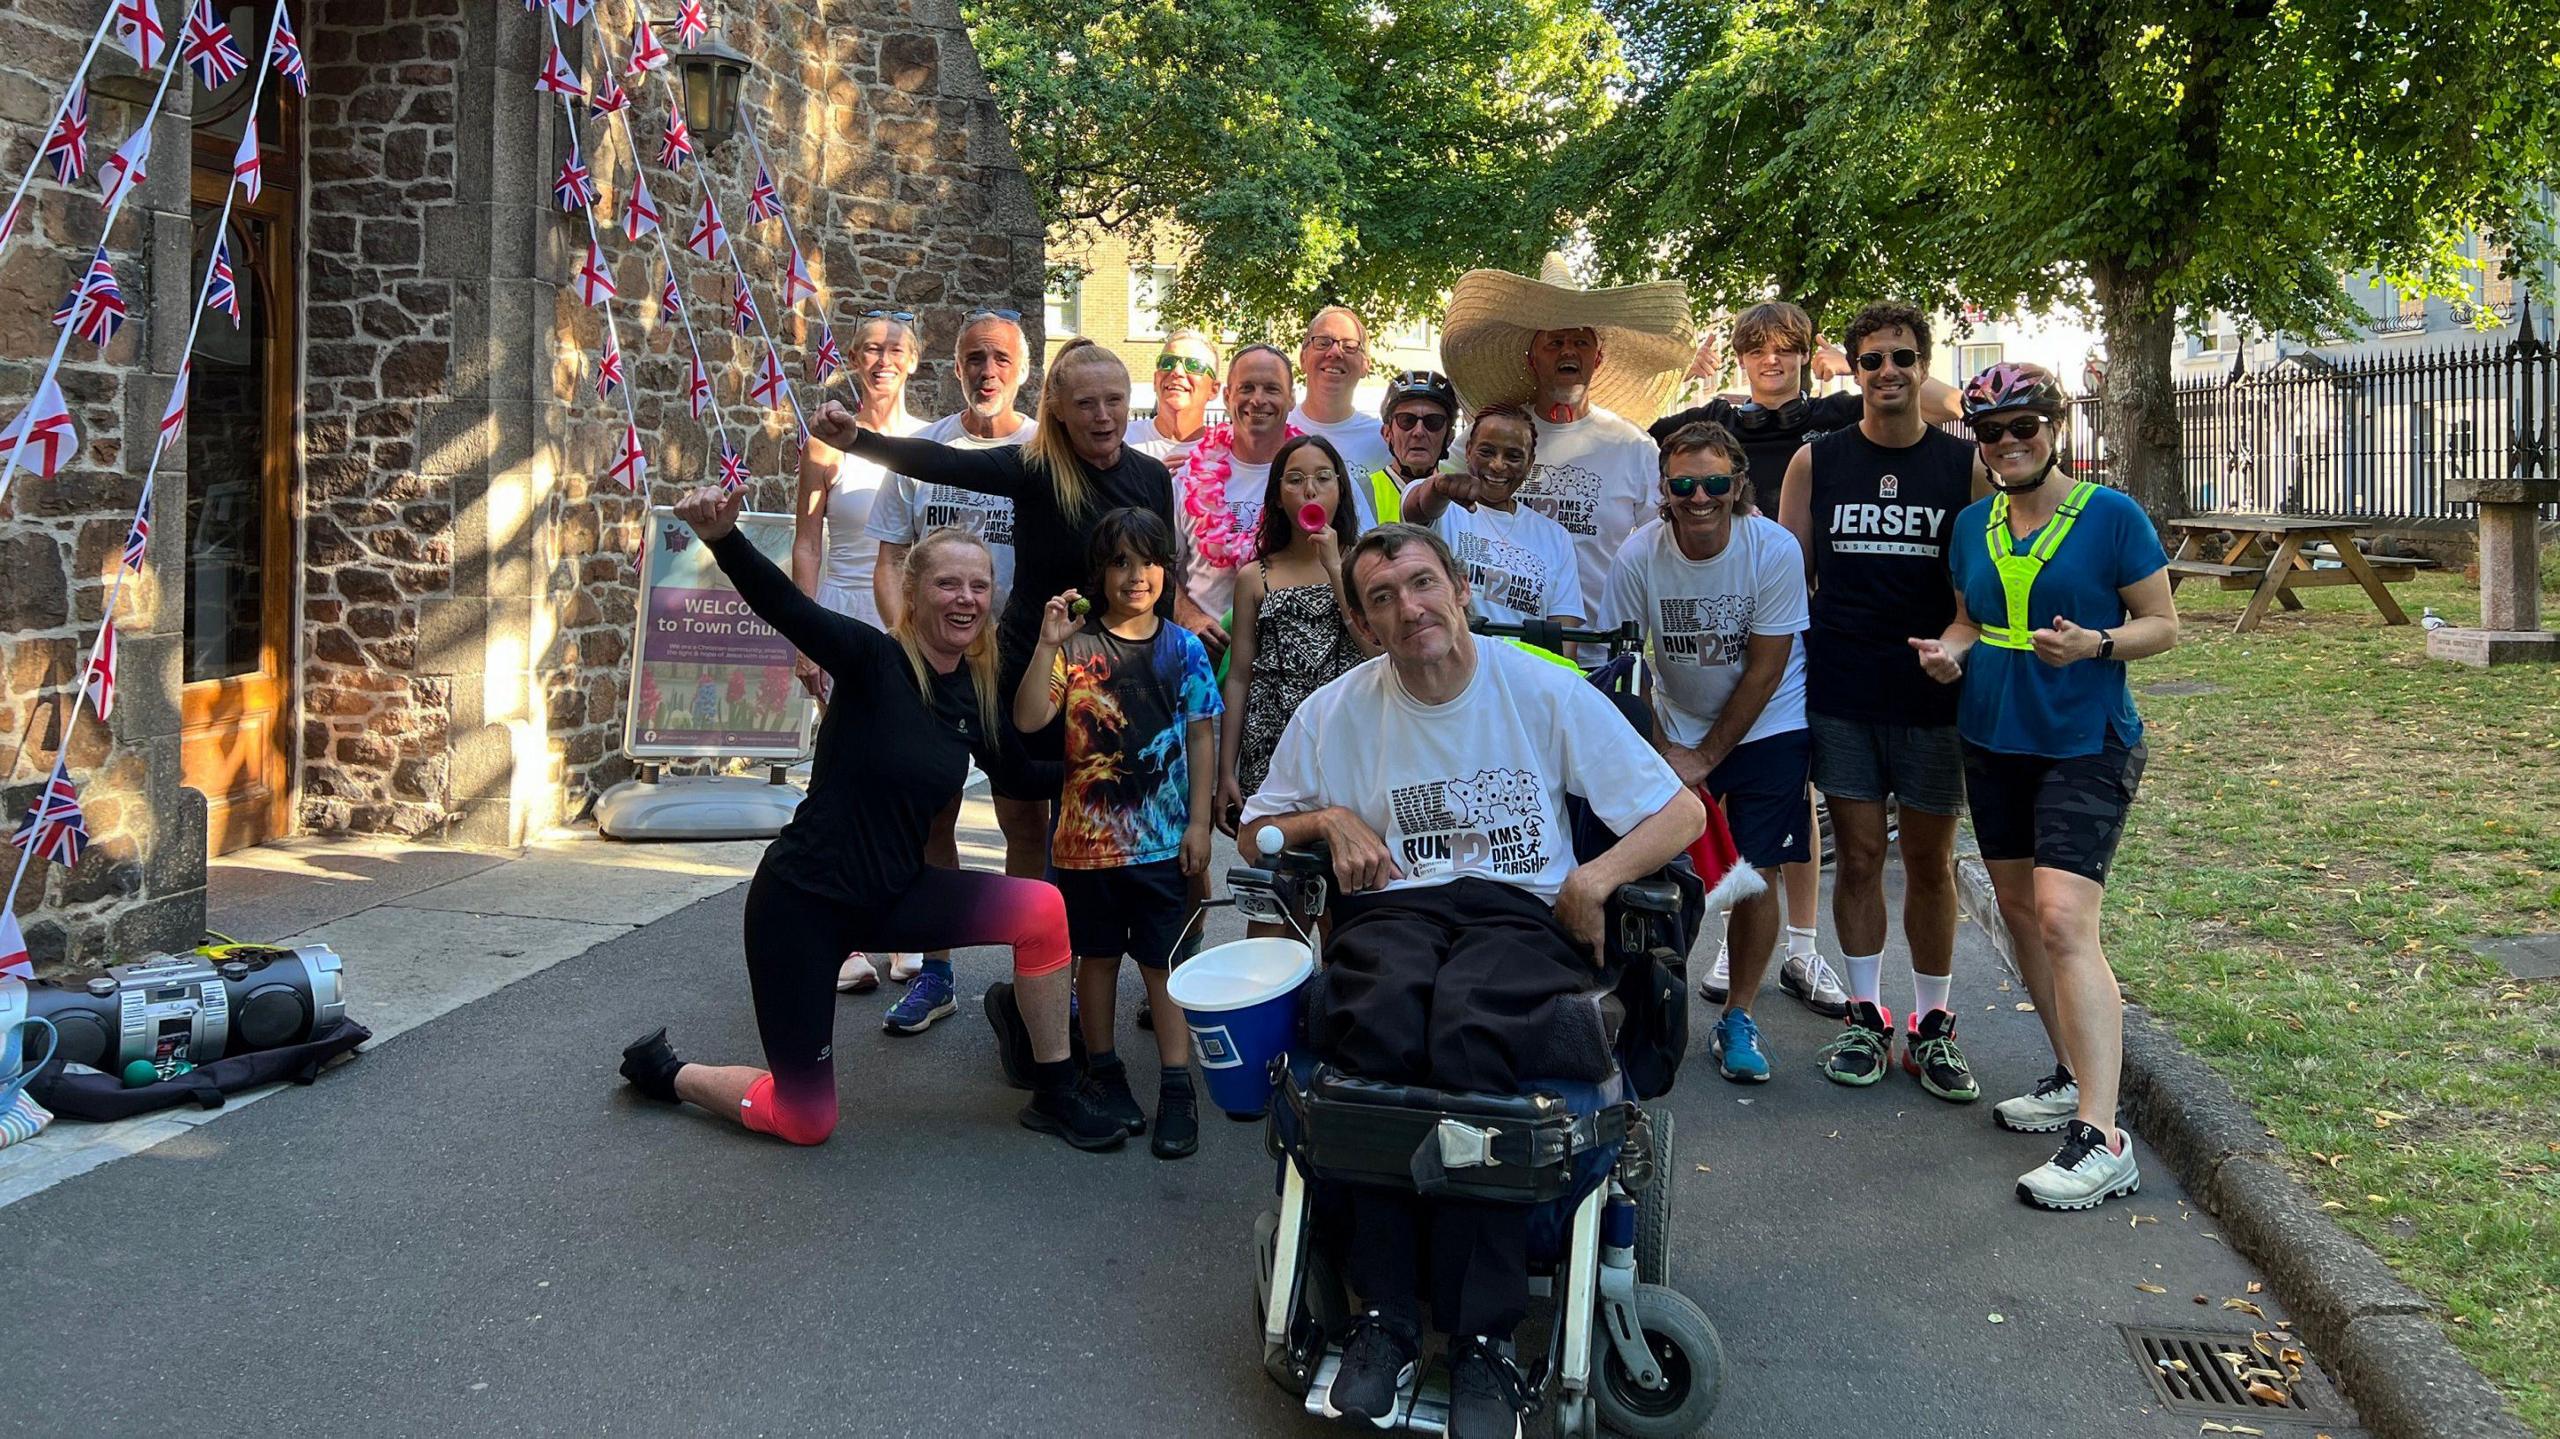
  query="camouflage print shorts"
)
[{"x": 2065, "y": 814}]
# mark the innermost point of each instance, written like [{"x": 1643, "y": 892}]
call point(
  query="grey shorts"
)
[{"x": 1920, "y": 765}]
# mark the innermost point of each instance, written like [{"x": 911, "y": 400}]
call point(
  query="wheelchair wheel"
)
[
  {"x": 1322, "y": 1309},
  {"x": 1692, "y": 1360},
  {"x": 1653, "y": 1204}
]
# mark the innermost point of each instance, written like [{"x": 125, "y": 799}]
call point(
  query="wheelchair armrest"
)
[{"x": 1649, "y": 896}]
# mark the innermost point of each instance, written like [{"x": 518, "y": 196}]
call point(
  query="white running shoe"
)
[
  {"x": 857, "y": 976},
  {"x": 1719, "y": 980},
  {"x": 2083, "y": 1174},
  {"x": 1809, "y": 978},
  {"x": 905, "y": 967},
  {"x": 2044, "y": 1109}
]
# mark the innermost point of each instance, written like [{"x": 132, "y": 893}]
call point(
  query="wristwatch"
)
[{"x": 2106, "y": 645}]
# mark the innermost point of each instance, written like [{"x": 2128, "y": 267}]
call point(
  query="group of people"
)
[{"x": 1835, "y": 594}]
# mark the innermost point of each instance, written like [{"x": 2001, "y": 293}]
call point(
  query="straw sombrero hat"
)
[{"x": 1484, "y": 341}]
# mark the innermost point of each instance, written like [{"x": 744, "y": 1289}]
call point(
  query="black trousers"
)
[{"x": 1456, "y": 986}]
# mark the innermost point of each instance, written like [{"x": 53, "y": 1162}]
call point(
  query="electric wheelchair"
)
[{"x": 1621, "y": 1347}]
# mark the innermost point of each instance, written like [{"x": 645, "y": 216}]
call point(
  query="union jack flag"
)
[
  {"x": 633, "y": 467},
  {"x": 44, "y": 430},
  {"x": 609, "y": 374},
  {"x": 690, "y": 26},
  {"x": 95, "y": 311},
  {"x": 697, "y": 387},
  {"x": 796, "y": 284},
  {"x": 289, "y": 54},
  {"x": 137, "y": 541},
  {"x": 557, "y": 78},
  {"x": 211, "y": 52},
  {"x": 709, "y": 236},
  {"x": 124, "y": 169},
  {"x": 639, "y": 208},
  {"x": 646, "y": 53},
  {"x": 575, "y": 189},
  {"x": 595, "y": 277},
  {"x": 224, "y": 293},
  {"x": 762, "y": 202},
  {"x": 743, "y": 309},
  {"x": 572, "y": 11},
  {"x": 827, "y": 360},
  {"x": 609, "y": 102},
  {"x": 54, "y": 826},
  {"x": 678, "y": 144},
  {"x": 248, "y": 165},
  {"x": 139, "y": 31},
  {"x": 173, "y": 418},
  {"x": 99, "y": 684},
  {"x": 67, "y": 148},
  {"x": 771, "y": 385},
  {"x": 670, "y": 302},
  {"x": 733, "y": 469}
]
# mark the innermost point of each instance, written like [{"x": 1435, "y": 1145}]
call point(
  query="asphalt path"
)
[{"x": 476, "y": 1229}]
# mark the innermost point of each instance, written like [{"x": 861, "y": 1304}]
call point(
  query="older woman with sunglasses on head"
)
[{"x": 2058, "y": 584}]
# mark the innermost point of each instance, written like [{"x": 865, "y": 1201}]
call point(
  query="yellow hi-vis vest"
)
[
  {"x": 2018, "y": 572},
  {"x": 1386, "y": 496}
]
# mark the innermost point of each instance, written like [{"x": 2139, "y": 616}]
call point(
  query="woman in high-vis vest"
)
[{"x": 2058, "y": 584}]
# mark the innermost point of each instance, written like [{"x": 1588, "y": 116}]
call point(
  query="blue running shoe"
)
[
  {"x": 925, "y": 1001},
  {"x": 1737, "y": 1049}
]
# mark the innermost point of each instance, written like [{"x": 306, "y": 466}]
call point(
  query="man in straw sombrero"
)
[{"x": 1592, "y": 367}]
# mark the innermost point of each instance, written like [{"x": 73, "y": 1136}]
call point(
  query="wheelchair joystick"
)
[{"x": 1270, "y": 841}]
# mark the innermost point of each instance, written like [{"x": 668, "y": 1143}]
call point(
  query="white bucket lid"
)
[{"x": 1239, "y": 975}]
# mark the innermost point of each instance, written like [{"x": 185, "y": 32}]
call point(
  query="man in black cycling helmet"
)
[{"x": 1418, "y": 419}]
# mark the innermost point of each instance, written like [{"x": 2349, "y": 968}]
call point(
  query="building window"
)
[
  {"x": 1972, "y": 360},
  {"x": 1148, "y": 287},
  {"x": 2408, "y": 314},
  {"x": 2498, "y": 279},
  {"x": 1064, "y": 318},
  {"x": 2207, "y": 342}
]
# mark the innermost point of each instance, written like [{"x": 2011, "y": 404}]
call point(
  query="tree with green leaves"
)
[
  {"x": 2139, "y": 161},
  {"x": 1309, "y": 153}
]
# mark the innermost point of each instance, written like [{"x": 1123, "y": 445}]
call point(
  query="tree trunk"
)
[{"x": 2144, "y": 447}]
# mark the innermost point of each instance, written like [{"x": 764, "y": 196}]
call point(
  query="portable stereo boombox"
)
[{"x": 193, "y": 1008}]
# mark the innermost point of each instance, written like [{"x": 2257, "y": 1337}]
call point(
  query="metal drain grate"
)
[{"x": 2191, "y": 1373}]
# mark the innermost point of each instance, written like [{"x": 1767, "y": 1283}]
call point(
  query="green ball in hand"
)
[{"x": 1080, "y": 607}]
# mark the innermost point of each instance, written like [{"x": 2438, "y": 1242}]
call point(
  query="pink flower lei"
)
[{"x": 1215, "y": 535}]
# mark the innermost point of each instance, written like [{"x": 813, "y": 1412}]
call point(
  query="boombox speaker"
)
[{"x": 194, "y": 1008}]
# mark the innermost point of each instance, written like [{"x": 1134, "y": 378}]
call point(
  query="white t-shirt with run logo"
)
[
  {"x": 1473, "y": 787},
  {"x": 1143, "y": 436},
  {"x": 907, "y": 511},
  {"x": 1520, "y": 565},
  {"x": 1699, "y": 617},
  {"x": 1595, "y": 476},
  {"x": 1356, "y": 439}
]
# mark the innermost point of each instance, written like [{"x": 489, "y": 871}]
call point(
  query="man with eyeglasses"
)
[
  {"x": 1874, "y": 507},
  {"x": 1417, "y": 421},
  {"x": 1332, "y": 360},
  {"x": 1185, "y": 376}
]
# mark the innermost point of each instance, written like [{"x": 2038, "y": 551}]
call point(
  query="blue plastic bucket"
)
[{"x": 1241, "y": 1001}]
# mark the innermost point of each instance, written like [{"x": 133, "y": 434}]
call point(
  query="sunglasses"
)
[
  {"x": 1430, "y": 424},
  {"x": 1167, "y": 364},
  {"x": 2025, "y": 427},
  {"x": 903, "y": 317},
  {"x": 1010, "y": 317},
  {"x": 1683, "y": 486},
  {"x": 1873, "y": 360}
]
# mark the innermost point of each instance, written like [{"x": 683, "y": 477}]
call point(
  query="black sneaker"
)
[
  {"x": 1177, "y": 1119},
  {"x": 1486, "y": 1397},
  {"x": 650, "y": 1064},
  {"x": 1377, "y": 1366},
  {"x": 1106, "y": 1087},
  {"x": 1929, "y": 1054},
  {"x": 1864, "y": 1050},
  {"x": 1013, "y": 1040},
  {"x": 1058, "y": 1106}
]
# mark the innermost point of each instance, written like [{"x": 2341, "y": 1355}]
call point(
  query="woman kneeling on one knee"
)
[
  {"x": 2058, "y": 584},
  {"x": 913, "y": 706}
]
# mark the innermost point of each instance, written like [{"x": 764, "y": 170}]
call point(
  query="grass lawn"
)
[{"x": 2317, "y": 835}]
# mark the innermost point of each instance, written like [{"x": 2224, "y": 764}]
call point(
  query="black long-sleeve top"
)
[
  {"x": 1048, "y": 545},
  {"x": 885, "y": 762}
]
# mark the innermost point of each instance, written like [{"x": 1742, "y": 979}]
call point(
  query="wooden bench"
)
[
  {"x": 2206, "y": 570},
  {"x": 2274, "y": 555}
]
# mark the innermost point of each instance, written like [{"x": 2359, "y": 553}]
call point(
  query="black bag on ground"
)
[{"x": 97, "y": 1096}]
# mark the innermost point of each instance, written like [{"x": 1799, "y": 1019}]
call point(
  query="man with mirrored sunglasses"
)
[{"x": 1185, "y": 379}]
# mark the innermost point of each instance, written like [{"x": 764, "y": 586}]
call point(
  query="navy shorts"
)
[
  {"x": 1139, "y": 910},
  {"x": 1761, "y": 786},
  {"x": 1862, "y": 760},
  {"x": 2064, "y": 814}
]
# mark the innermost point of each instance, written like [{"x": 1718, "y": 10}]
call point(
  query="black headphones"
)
[{"x": 1752, "y": 418}]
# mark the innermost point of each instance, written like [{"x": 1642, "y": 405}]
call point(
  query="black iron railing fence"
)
[{"x": 2366, "y": 437}]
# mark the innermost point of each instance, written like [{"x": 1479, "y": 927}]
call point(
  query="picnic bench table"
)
[{"x": 2273, "y": 555}]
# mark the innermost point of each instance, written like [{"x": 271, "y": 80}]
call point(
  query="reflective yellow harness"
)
[
  {"x": 2018, "y": 572},
  {"x": 1386, "y": 495}
]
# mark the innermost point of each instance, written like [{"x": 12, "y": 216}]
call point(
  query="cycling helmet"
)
[
  {"x": 2014, "y": 386},
  {"x": 1420, "y": 385}
]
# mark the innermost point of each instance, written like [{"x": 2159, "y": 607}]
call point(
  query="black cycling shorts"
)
[{"x": 2064, "y": 814}]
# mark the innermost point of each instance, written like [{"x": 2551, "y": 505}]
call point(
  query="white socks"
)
[
  {"x": 1929, "y": 991},
  {"x": 1865, "y": 970},
  {"x": 1799, "y": 943}
]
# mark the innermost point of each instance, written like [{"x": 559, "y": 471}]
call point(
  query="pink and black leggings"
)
[{"x": 796, "y": 941}]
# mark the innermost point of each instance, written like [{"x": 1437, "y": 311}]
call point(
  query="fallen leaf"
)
[
  {"x": 1702, "y": 1169},
  {"x": 2025, "y": 1007},
  {"x": 1996, "y": 1318},
  {"x": 2332, "y": 1204},
  {"x": 2150, "y": 1288},
  {"x": 2244, "y": 1306},
  {"x": 2257, "y": 1286},
  {"x": 2375, "y": 1199}
]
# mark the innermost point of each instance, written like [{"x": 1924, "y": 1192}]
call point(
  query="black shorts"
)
[
  {"x": 2064, "y": 814},
  {"x": 1037, "y": 768},
  {"x": 1922, "y": 766},
  {"x": 1139, "y": 910},
  {"x": 1761, "y": 786}
]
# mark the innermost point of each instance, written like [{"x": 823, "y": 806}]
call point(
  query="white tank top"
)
[{"x": 844, "y": 580}]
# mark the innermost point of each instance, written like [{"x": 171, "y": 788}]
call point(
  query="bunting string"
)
[
  {"x": 595, "y": 284},
  {"x": 75, "y": 159}
]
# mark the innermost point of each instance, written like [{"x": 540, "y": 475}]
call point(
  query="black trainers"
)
[
  {"x": 1864, "y": 1050},
  {"x": 1177, "y": 1117},
  {"x": 1377, "y": 1366},
  {"x": 1058, "y": 1106},
  {"x": 650, "y": 1064},
  {"x": 1013, "y": 1040},
  {"x": 1106, "y": 1087},
  {"x": 1486, "y": 1397},
  {"x": 1929, "y": 1054}
]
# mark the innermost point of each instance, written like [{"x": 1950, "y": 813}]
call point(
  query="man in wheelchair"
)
[{"x": 1466, "y": 949}]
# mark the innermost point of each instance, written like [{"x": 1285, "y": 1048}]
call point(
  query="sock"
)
[
  {"x": 1054, "y": 1077},
  {"x": 938, "y": 966},
  {"x": 1799, "y": 943},
  {"x": 1929, "y": 991},
  {"x": 1175, "y": 1078},
  {"x": 1102, "y": 1061},
  {"x": 1865, "y": 973}
]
